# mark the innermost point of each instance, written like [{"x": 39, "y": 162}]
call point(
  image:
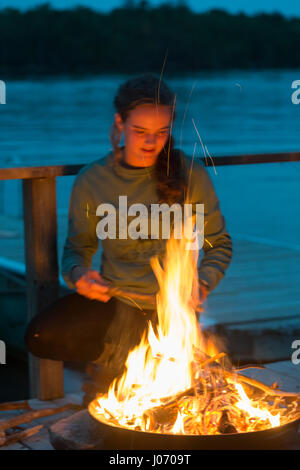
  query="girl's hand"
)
[
  {"x": 203, "y": 291},
  {"x": 90, "y": 283},
  {"x": 200, "y": 297}
]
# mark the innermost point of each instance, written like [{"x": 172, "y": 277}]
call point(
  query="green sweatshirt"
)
[{"x": 126, "y": 263}]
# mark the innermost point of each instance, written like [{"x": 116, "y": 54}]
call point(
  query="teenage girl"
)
[{"x": 90, "y": 324}]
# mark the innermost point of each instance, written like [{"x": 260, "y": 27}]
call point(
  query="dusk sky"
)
[{"x": 288, "y": 8}]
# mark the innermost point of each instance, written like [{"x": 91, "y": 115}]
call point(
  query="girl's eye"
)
[{"x": 162, "y": 133}]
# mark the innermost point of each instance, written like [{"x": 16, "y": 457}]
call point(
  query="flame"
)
[
  {"x": 245, "y": 404},
  {"x": 178, "y": 427},
  {"x": 161, "y": 365},
  {"x": 173, "y": 358},
  {"x": 210, "y": 348}
]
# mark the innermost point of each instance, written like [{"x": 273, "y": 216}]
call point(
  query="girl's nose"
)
[{"x": 150, "y": 139}]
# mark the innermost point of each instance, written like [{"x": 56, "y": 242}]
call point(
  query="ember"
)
[{"x": 173, "y": 384}]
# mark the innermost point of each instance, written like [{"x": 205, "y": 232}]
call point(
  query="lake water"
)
[{"x": 65, "y": 120}]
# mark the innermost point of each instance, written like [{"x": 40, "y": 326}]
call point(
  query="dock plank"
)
[
  {"x": 39, "y": 441},
  {"x": 286, "y": 368}
]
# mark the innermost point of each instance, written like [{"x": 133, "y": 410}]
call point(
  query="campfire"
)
[{"x": 175, "y": 382}]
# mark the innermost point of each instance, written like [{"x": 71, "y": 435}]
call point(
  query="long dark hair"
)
[{"x": 170, "y": 168}]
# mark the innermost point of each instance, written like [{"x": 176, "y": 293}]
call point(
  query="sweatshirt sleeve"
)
[
  {"x": 82, "y": 241},
  {"x": 217, "y": 245}
]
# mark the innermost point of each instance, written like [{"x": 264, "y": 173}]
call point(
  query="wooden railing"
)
[{"x": 40, "y": 232}]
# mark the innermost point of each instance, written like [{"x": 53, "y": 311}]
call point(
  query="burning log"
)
[
  {"x": 225, "y": 427},
  {"x": 159, "y": 417}
]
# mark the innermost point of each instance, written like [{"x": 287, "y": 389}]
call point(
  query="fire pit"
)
[
  {"x": 177, "y": 392},
  {"x": 161, "y": 428},
  {"x": 120, "y": 438}
]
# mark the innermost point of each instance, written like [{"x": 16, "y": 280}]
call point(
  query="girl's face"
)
[{"x": 146, "y": 131}]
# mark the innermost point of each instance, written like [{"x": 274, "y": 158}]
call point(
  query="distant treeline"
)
[{"x": 139, "y": 38}]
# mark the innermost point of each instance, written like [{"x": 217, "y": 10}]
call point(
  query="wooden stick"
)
[
  {"x": 170, "y": 401},
  {"x": 30, "y": 416},
  {"x": 212, "y": 359},
  {"x": 19, "y": 436},
  {"x": 250, "y": 366},
  {"x": 15, "y": 405},
  {"x": 261, "y": 386},
  {"x": 241, "y": 378},
  {"x": 255, "y": 383},
  {"x": 117, "y": 291}
]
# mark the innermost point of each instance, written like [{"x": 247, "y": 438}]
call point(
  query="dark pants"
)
[{"x": 76, "y": 328}]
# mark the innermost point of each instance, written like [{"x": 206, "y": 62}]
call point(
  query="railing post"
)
[
  {"x": 2, "y": 193},
  {"x": 40, "y": 231}
]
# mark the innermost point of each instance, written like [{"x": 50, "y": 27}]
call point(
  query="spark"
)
[
  {"x": 191, "y": 167},
  {"x": 157, "y": 102},
  {"x": 172, "y": 118},
  {"x": 211, "y": 160},
  {"x": 207, "y": 241},
  {"x": 200, "y": 140},
  {"x": 185, "y": 111},
  {"x": 161, "y": 74},
  {"x": 132, "y": 300},
  {"x": 238, "y": 84}
]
